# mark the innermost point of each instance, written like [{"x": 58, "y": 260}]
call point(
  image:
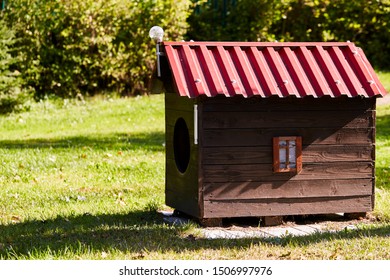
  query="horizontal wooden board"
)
[
  {"x": 311, "y": 119},
  {"x": 263, "y": 137},
  {"x": 237, "y": 104},
  {"x": 287, "y": 189},
  {"x": 237, "y": 155},
  {"x": 263, "y": 154},
  {"x": 338, "y": 153},
  {"x": 263, "y": 172},
  {"x": 284, "y": 207}
]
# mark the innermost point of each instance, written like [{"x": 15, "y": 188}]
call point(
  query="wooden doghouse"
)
[{"x": 268, "y": 129}]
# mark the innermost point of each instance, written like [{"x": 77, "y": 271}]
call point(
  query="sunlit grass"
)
[
  {"x": 84, "y": 180},
  {"x": 384, "y": 77}
]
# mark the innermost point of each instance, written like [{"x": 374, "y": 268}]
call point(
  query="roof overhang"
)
[{"x": 271, "y": 69}]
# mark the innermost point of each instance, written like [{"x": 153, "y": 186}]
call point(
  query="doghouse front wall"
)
[
  {"x": 338, "y": 154},
  {"x": 181, "y": 188}
]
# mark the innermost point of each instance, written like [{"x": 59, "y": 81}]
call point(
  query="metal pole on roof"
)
[{"x": 157, "y": 34}]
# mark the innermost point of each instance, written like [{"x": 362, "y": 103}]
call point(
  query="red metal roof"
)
[{"x": 266, "y": 69}]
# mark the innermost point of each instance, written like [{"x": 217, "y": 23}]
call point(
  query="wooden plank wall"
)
[
  {"x": 338, "y": 138},
  {"x": 181, "y": 189}
]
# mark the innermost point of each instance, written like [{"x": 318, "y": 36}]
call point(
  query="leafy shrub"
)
[
  {"x": 84, "y": 47},
  {"x": 366, "y": 23},
  {"x": 12, "y": 94},
  {"x": 224, "y": 20}
]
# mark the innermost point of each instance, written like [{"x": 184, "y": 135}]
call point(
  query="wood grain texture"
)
[
  {"x": 282, "y": 207},
  {"x": 263, "y": 154},
  {"x": 307, "y": 119},
  {"x": 263, "y": 137},
  {"x": 264, "y": 172},
  {"x": 231, "y": 174},
  {"x": 287, "y": 189}
]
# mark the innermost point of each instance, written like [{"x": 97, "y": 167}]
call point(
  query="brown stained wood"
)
[
  {"x": 171, "y": 117},
  {"x": 211, "y": 222},
  {"x": 355, "y": 216},
  {"x": 336, "y": 153},
  {"x": 178, "y": 103},
  {"x": 238, "y": 103},
  {"x": 181, "y": 188},
  {"x": 237, "y": 155},
  {"x": 311, "y": 119},
  {"x": 263, "y": 137},
  {"x": 263, "y": 154},
  {"x": 270, "y": 221},
  {"x": 264, "y": 172},
  {"x": 287, "y": 189},
  {"x": 230, "y": 171},
  {"x": 283, "y": 207},
  {"x": 183, "y": 201}
]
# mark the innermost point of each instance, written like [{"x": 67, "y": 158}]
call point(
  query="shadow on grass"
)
[
  {"x": 151, "y": 141},
  {"x": 134, "y": 234}
]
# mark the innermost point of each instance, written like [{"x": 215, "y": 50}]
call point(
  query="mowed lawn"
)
[{"x": 84, "y": 180}]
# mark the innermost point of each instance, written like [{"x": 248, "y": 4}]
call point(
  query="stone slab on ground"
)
[{"x": 238, "y": 232}]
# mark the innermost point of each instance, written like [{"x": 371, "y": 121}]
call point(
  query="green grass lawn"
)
[{"x": 84, "y": 180}]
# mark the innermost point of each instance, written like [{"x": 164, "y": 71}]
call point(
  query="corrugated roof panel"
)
[
  {"x": 265, "y": 69},
  {"x": 345, "y": 70},
  {"x": 263, "y": 73},
  {"x": 210, "y": 72},
  {"x": 297, "y": 72},
  {"x": 314, "y": 73}
]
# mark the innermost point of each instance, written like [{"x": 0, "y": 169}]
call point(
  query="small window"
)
[{"x": 287, "y": 154}]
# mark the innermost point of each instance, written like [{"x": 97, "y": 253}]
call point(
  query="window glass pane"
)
[
  {"x": 282, "y": 157},
  {"x": 292, "y": 154}
]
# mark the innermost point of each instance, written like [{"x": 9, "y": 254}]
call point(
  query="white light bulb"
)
[{"x": 156, "y": 33}]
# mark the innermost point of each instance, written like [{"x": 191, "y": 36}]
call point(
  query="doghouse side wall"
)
[
  {"x": 338, "y": 154},
  {"x": 181, "y": 188}
]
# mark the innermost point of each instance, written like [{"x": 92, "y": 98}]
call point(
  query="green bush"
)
[
  {"x": 366, "y": 23},
  {"x": 12, "y": 94},
  {"x": 227, "y": 20},
  {"x": 91, "y": 46}
]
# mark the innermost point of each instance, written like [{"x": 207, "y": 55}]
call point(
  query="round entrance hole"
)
[{"x": 181, "y": 145}]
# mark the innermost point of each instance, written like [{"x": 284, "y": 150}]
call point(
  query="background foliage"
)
[
  {"x": 80, "y": 48},
  {"x": 84, "y": 47},
  {"x": 366, "y": 23},
  {"x": 12, "y": 96}
]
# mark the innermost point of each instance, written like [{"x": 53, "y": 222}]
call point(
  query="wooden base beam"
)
[{"x": 270, "y": 221}]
